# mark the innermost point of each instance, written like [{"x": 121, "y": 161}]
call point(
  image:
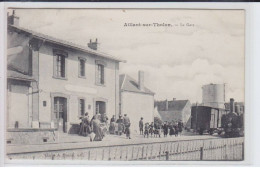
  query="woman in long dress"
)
[
  {"x": 172, "y": 130},
  {"x": 84, "y": 125},
  {"x": 112, "y": 125},
  {"x": 96, "y": 129},
  {"x": 87, "y": 128},
  {"x": 165, "y": 129}
]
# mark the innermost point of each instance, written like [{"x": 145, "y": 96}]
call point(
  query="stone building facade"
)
[{"x": 52, "y": 82}]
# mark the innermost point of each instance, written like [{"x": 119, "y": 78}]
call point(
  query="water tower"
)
[{"x": 213, "y": 95}]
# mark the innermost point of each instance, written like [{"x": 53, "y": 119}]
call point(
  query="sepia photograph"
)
[{"x": 96, "y": 84}]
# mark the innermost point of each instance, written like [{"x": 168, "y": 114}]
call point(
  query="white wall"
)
[
  {"x": 137, "y": 105},
  {"x": 74, "y": 86},
  {"x": 18, "y": 102}
]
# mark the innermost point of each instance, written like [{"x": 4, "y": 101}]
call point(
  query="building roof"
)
[
  {"x": 64, "y": 43},
  {"x": 175, "y": 105},
  {"x": 169, "y": 116},
  {"x": 18, "y": 75},
  {"x": 127, "y": 83}
]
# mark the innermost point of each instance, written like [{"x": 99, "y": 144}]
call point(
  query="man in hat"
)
[
  {"x": 112, "y": 125},
  {"x": 120, "y": 125},
  {"x": 141, "y": 126},
  {"x": 127, "y": 123}
]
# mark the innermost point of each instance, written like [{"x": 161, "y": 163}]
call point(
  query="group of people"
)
[
  {"x": 93, "y": 126},
  {"x": 172, "y": 128},
  {"x": 155, "y": 129},
  {"x": 120, "y": 126}
]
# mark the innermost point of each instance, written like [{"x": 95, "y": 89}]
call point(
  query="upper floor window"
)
[
  {"x": 59, "y": 64},
  {"x": 100, "y": 72},
  {"x": 82, "y": 67}
]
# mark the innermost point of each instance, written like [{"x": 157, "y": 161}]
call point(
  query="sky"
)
[{"x": 177, "y": 60}]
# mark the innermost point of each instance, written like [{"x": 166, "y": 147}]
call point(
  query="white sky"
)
[{"x": 177, "y": 61}]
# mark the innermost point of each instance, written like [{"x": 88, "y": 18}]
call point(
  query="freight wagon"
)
[{"x": 207, "y": 119}]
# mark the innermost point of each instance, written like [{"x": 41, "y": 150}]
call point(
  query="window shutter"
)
[
  {"x": 104, "y": 76},
  {"x": 96, "y": 73},
  {"x": 79, "y": 114}
]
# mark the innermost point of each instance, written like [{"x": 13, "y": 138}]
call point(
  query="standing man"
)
[
  {"x": 141, "y": 126},
  {"x": 165, "y": 129},
  {"x": 112, "y": 125},
  {"x": 127, "y": 124},
  {"x": 180, "y": 126},
  {"x": 120, "y": 126}
]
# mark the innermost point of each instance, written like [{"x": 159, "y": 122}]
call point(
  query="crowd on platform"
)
[
  {"x": 93, "y": 127},
  {"x": 97, "y": 127},
  {"x": 173, "y": 128}
]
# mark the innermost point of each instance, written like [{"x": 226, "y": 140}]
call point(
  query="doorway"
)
[
  {"x": 60, "y": 113},
  {"x": 100, "y": 107}
]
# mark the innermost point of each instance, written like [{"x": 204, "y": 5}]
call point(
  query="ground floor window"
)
[{"x": 81, "y": 107}]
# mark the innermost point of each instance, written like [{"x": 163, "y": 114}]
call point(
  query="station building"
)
[{"x": 51, "y": 83}]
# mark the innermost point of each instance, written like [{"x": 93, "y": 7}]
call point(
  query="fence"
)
[{"x": 208, "y": 149}]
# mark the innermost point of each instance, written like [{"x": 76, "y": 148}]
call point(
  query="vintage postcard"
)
[{"x": 125, "y": 84}]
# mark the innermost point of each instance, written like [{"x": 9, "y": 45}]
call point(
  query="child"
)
[
  {"x": 151, "y": 130},
  {"x": 146, "y": 130}
]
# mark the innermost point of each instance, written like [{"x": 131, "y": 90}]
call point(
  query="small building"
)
[
  {"x": 52, "y": 82},
  {"x": 175, "y": 110},
  {"x": 136, "y": 100}
]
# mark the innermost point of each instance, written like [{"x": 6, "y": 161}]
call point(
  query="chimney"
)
[
  {"x": 232, "y": 106},
  {"x": 93, "y": 45},
  {"x": 166, "y": 105},
  {"x": 141, "y": 80},
  {"x": 13, "y": 19}
]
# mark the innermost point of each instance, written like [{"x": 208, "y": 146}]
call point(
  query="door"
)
[
  {"x": 213, "y": 118},
  {"x": 60, "y": 113},
  {"x": 100, "y": 107}
]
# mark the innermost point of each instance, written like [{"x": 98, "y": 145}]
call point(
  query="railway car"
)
[{"x": 207, "y": 119}]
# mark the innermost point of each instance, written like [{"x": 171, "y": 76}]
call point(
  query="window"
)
[
  {"x": 60, "y": 65},
  {"x": 82, "y": 67},
  {"x": 81, "y": 107},
  {"x": 101, "y": 74}
]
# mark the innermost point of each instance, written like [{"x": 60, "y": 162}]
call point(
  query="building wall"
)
[
  {"x": 23, "y": 61},
  {"x": 18, "y": 105},
  {"x": 76, "y": 87},
  {"x": 137, "y": 105},
  {"x": 18, "y": 60},
  {"x": 186, "y": 113}
]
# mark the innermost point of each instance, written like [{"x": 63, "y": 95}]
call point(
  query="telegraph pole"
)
[{"x": 196, "y": 116}]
